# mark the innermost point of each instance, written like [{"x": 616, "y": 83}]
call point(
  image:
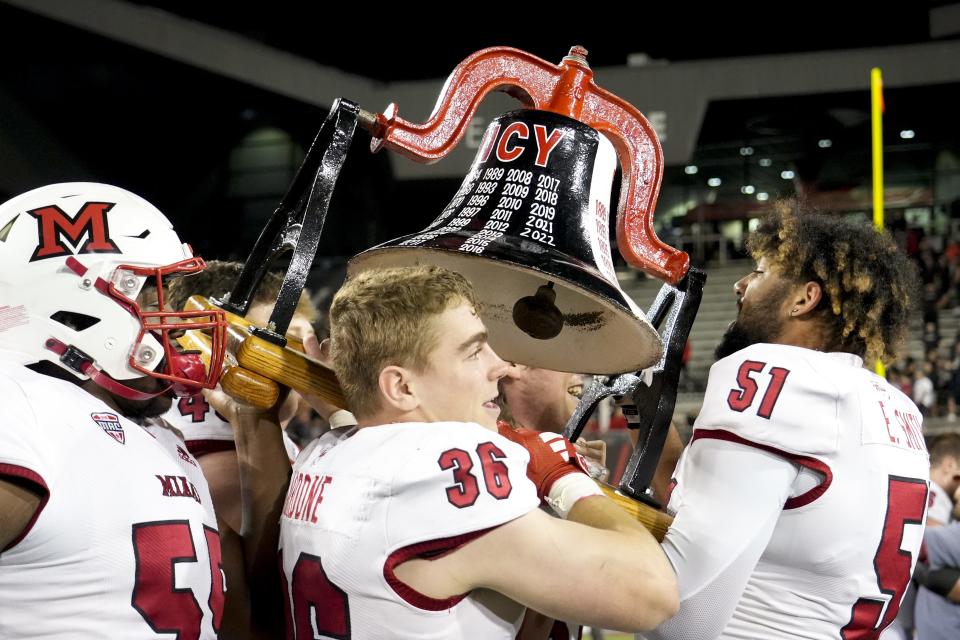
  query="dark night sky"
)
[
  {"x": 165, "y": 129},
  {"x": 396, "y": 47}
]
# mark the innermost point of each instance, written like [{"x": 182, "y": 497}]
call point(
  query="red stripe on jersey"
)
[
  {"x": 428, "y": 550},
  {"x": 200, "y": 448},
  {"x": 804, "y": 461},
  {"x": 34, "y": 478}
]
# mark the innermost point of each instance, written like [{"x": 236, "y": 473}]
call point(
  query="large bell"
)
[{"x": 529, "y": 229}]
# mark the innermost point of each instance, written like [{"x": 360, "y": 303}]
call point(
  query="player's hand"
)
[
  {"x": 551, "y": 456},
  {"x": 319, "y": 351},
  {"x": 235, "y": 410},
  {"x": 593, "y": 450}
]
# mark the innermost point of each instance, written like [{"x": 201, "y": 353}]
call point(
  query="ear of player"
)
[{"x": 78, "y": 262}]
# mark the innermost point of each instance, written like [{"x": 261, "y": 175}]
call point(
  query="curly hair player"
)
[{"x": 801, "y": 498}]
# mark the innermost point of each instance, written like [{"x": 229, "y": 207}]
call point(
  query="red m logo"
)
[{"x": 55, "y": 226}]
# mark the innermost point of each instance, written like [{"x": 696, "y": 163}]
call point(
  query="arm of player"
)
[
  {"x": 23, "y": 474},
  {"x": 333, "y": 414},
  {"x": 222, "y": 472},
  {"x": 264, "y": 469},
  {"x": 663, "y": 475},
  {"x": 944, "y": 581},
  {"x": 538, "y": 561},
  {"x": 732, "y": 498},
  {"x": 562, "y": 569},
  {"x": 19, "y": 502},
  {"x": 236, "y": 611},
  {"x": 954, "y": 594}
]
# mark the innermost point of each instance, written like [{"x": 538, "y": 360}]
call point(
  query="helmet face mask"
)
[
  {"x": 73, "y": 260},
  {"x": 183, "y": 370}
]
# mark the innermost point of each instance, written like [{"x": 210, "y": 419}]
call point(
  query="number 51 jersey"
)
[
  {"x": 124, "y": 543},
  {"x": 386, "y": 494},
  {"x": 844, "y": 535}
]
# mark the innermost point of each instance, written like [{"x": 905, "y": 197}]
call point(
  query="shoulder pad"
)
[
  {"x": 776, "y": 395},
  {"x": 196, "y": 420},
  {"x": 455, "y": 478}
]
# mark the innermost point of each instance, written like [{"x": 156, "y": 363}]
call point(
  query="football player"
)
[
  {"x": 800, "y": 501},
  {"x": 424, "y": 522},
  {"x": 108, "y": 530},
  {"x": 210, "y": 437},
  {"x": 544, "y": 400}
]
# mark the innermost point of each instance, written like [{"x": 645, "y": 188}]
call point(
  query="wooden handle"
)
[
  {"x": 296, "y": 370},
  {"x": 250, "y": 387},
  {"x": 288, "y": 365},
  {"x": 239, "y": 326},
  {"x": 263, "y": 364},
  {"x": 244, "y": 385},
  {"x": 656, "y": 522}
]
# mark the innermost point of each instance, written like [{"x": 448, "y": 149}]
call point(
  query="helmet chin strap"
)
[{"x": 82, "y": 363}]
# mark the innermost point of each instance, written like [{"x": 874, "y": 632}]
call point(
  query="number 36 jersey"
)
[
  {"x": 359, "y": 507},
  {"x": 800, "y": 499},
  {"x": 124, "y": 543}
]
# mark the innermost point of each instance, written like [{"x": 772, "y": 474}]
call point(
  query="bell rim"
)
[{"x": 640, "y": 324}]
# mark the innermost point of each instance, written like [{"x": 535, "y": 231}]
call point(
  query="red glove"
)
[{"x": 551, "y": 456}]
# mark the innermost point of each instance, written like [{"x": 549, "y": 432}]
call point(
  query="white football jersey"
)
[
  {"x": 125, "y": 542},
  {"x": 206, "y": 431},
  {"x": 359, "y": 506},
  {"x": 814, "y": 473}
]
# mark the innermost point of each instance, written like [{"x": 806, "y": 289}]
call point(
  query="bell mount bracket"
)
[
  {"x": 296, "y": 224},
  {"x": 648, "y": 397}
]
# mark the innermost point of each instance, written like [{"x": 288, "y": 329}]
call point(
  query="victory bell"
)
[{"x": 529, "y": 225}]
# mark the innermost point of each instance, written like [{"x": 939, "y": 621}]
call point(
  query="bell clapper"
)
[{"x": 537, "y": 315}]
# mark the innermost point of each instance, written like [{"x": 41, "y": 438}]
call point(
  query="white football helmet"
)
[{"x": 73, "y": 259}]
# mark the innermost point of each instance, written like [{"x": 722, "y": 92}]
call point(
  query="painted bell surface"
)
[{"x": 529, "y": 228}]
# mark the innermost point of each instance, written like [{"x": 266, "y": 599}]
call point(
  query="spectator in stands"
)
[
  {"x": 927, "y": 263},
  {"x": 930, "y": 298},
  {"x": 923, "y": 392},
  {"x": 910, "y": 367},
  {"x": 895, "y": 378},
  {"x": 685, "y": 381},
  {"x": 942, "y": 383},
  {"x": 954, "y": 395},
  {"x": 931, "y": 337}
]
